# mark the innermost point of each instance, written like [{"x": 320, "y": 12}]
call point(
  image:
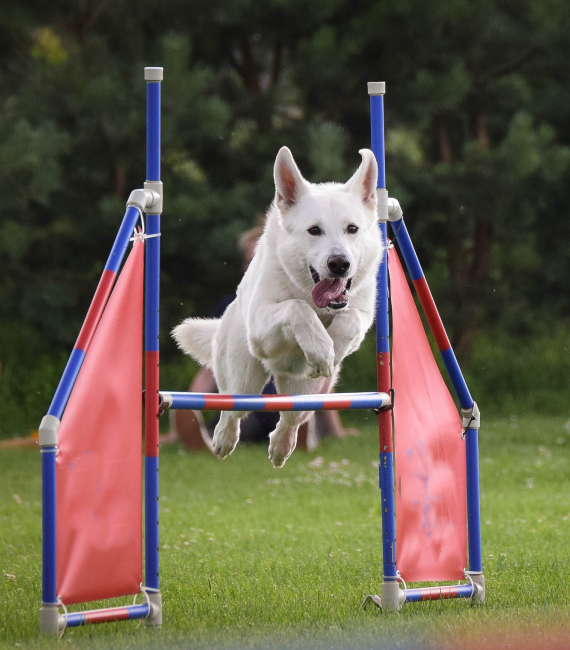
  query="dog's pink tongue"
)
[{"x": 326, "y": 291}]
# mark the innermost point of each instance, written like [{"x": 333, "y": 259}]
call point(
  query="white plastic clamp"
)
[
  {"x": 143, "y": 199},
  {"x": 392, "y": 596},
  {"x": 47, "y": 431},
  {"x": 478, "y": 580},
  {"x": 165, "y": 399},
  {"x": 394, "y": 210},
  {"x": 471, "y": 417},
  {"x": 156, "y": 188},
  {"x": 153, "y": 74},
  {"x": 376, "y": 87},
  {"x": 51, "y": 622},
  {"x": 383, "y": 211}
]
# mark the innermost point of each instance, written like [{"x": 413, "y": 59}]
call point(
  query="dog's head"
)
[{"x": 330, "y": 242}]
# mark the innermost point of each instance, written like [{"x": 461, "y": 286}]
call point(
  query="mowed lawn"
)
[{"x": 257, "y": 557}]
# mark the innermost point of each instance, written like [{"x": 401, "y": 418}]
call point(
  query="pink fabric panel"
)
[
  {"x": 99, "y": 474},
  {"x": 431, "y": 489}
]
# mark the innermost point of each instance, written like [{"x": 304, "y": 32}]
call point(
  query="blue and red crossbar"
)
[
  {"x": 439, "y": 593},
  {"x": 108, "y": 615},
  {"x": 319, "y": 402}
]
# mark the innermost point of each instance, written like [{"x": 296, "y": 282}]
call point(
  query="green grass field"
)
[{"x": 257, "y": 557}]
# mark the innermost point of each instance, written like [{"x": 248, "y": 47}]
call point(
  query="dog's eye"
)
[
  {"x": 352, "y": 229},
  {"x": 315, "y": 230}
]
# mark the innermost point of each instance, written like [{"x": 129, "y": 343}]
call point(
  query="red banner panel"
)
[
  {"x": 99, "y": 473},
  {"x": 431, "y": 488}
]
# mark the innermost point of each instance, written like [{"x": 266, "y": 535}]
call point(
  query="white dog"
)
[{"x": 305, "y": 302}]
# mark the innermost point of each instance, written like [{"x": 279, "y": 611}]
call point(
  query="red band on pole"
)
[
  {"x": 384, "y": 417},
  {"x": 284, "y": 401},
  {"x": 432, "y": 315},
  {"x": 95, "y": 310},
  {"x": 151, "y": 403},
  {"x": 106, "y": 615},
  {"x": 336, "y": 403},
  {"x": 438, "y": 593},
  {"x": 214, "y": 402}
]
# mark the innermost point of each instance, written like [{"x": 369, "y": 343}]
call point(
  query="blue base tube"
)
[
  {"x": 49, "y": 590},
  {"x": 151, "y": 522}
]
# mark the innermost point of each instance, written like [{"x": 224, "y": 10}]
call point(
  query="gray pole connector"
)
[
  {"x": 147, "y": 200},
  {"x": 376, "y": 87},
  {"x": 153, "y": 74}
]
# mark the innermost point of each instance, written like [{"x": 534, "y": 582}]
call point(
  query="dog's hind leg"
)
[{"x": 283, "y": 440}]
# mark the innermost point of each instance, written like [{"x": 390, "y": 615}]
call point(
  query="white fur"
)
[
  {"x": 195, "y": 335},
  {"x": 274, "y": 328}
]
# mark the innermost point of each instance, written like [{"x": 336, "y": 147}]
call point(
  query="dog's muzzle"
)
[{"x": 330, "y": 292}]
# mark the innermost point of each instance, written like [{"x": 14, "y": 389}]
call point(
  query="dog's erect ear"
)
[
  {"x": 364, "y": 179},
  {"x": 289, "y": 184}
]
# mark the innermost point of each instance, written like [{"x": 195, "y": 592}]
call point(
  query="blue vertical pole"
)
[
  {"x": 49, "y": 592},
  {"x": 153, "y": 77},
  {"x": 390, "y": 589}
]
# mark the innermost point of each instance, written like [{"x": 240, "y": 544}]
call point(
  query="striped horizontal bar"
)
[
  {"x": 319, "y": 402},
  {"x": 109, "y": 615},
  {"x": 439, "y": 593}
]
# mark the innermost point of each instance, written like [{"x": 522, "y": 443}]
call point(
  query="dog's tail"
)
[{"x": 194, "y": 337}]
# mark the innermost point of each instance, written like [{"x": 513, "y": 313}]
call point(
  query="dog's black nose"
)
[{"x": 338, "y": 264}]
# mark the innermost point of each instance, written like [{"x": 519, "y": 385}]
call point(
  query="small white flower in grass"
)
[
  {"x": 488, "y": 522},
  {"x": 187, "y": 543},
  {"x": 333, "y": 465},
  {"x": 316, "y": 463},
  {"x": 530, "y": 483},
  {"x": 358, "y": 550},
  {"x": 345, "y": 461},
  {"x": 18, "y": 499},
  {"x": 503, "y": 555},
  {"x": 10, "y": 576},
  {"x": 249, "y": 500},
  {"x": 338, "y": 523},
  {"x": 490, "y": 555},
  {"x": 560, "y": 441}
]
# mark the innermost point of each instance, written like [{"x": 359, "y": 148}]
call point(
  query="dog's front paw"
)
[
  {"x": 321, "y": 367},
  {"x": 225, "y": 439},
  {"x": 281, "y": 448}
]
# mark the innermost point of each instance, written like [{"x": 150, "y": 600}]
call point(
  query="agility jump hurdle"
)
[{"x": 91, "y": 567}]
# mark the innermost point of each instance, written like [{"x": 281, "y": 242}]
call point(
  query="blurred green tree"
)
[{"x": 477, "y": 148}]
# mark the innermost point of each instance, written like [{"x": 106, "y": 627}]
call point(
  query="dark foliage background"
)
[{"x": 478, "y": 153}]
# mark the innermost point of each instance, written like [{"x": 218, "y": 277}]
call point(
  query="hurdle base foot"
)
[
  {"x": 392, "y": 596},
  {"x": 50, "y": 622},
  {"x": 479, "y": 582},
  {"x": 154, "y": 619},
  {"x": 371, "y": 600}
]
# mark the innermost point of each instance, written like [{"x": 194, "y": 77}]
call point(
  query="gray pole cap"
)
[
  {"x": 376, "y": 87},
  {"x": 153, "y": 74}
]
